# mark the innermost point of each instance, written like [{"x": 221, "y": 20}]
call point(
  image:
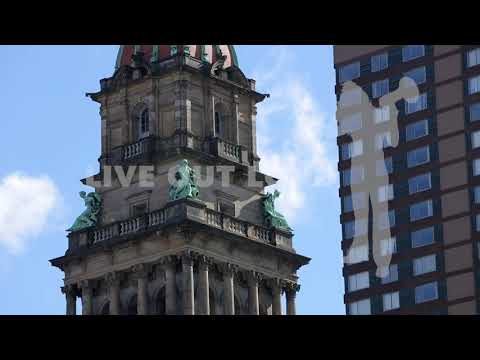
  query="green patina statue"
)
[
  {"x": 185, "y": 185},
  {"x": 89, "y": 217},
  {"x": 272, "y": 217}
]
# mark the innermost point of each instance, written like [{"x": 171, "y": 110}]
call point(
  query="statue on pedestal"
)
[
  {"x": 272, "y": 217},
  {"x": 89, "y": 217},
  {"x": 185, "y": 185}
]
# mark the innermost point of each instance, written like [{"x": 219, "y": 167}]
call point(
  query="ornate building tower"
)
[{"x": 178, "y": 222}]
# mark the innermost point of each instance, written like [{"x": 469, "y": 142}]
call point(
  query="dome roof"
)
[{"x": 152, "y": 53}]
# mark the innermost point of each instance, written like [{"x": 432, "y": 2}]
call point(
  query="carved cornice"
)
[
  {"x": 140, "y": 270},
  {"x": 204, "y": 262},
  {"x": 170, "y": 260},
  {"x": 253, "y": 277},
  {"x": 291, "y": 287},
  {"x": 113, "y": 278},
  {"x": 227, "y": 269},
  {"x": 70, "y": 290},
  {"x": 86, "y": 286},
  {"x": 187, "y": 257},
  {"x": 275, "y": 284}
]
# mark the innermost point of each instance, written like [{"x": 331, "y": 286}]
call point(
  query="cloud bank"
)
[
  {"x": 304, "y": 157},
  {"x": 25, "y": 204}
]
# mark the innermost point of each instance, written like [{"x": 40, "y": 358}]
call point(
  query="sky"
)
[{"x": 51, "y": 140}]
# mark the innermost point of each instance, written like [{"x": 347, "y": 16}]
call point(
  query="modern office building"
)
[{"x": 431, "y": 201}]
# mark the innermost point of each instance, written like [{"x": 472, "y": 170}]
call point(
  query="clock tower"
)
[{"x": 178, "y": 220}]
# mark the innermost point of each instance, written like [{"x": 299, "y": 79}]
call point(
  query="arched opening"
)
[
  {"x": 105, "y": 309},
  {"x": 160, "y": 303},
  {"x": 220, "y": 121},
  {"x": 132, "y": 306},
  {"x": 141, "y": 127}
]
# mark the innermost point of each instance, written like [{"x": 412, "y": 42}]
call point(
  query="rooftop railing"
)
[{"x": 174, "y": 213}]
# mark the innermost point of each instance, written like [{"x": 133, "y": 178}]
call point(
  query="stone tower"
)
[{"x": 147, "y": 244}]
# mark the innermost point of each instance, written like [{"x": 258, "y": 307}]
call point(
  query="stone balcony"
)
[
  {"x": 145, "y": 150},
  {"x": 176, "y": 213},
  {"x": 229, "y": 151}
]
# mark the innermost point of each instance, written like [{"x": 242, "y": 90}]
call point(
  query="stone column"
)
[
  {"x": 203, "y": 286},
  {"x": 183, "y": 108},
  {"x": 276, "y": 296},
  {"x": 212, "y": 113},
  {"x": 141, "y": 274},
  {"x": 228, "y": 294},
  {"x": 113, "y": 282},
  {"x": 235, "y": 116},
  {"x": 291, "y": 291},
  {"x": 87, "y": 306},
  {"x": 170, "y": 285},
  {"x": 70, "y": 292},
  {"x": 188, "y": 287},
  {"x": 253, "y": 279}
]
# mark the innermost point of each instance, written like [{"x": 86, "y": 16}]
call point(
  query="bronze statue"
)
[
  {"x": 89, "y": 217},
  {"x": 272, "y": 217},
  {"x": 185, "y": 185}
]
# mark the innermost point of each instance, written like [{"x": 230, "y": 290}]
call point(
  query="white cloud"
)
[
  {"x": 25, "y": 204},
  {"x": 304, "y": 157}
]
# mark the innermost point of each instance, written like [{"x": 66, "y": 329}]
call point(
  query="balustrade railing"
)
[
  {"x": 210, "y": 217},
  {"x": 231, "y": 150},
  {"x": 103, "y": 234},
  {"x": 233, "y": 225},
  {"x": 130, "y": 226},
  {"x": 157, "y": 217},
  {"x": 133, "y": 150},
  {"x": 227, "y": 150}
]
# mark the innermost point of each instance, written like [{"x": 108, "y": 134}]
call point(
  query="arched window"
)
[
  {"x": 144, "y": 124},
  {"x": 219, "y": 125},
  {"x": 220, "y": 121}
]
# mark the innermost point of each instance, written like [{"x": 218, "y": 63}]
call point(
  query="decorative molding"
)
[
  {"x": 227, "y": 268},
  {"x": 86, "y": 286},
  {"x": 70, "y": 290},
  {"x": 140, "y": 270},
  {"x": 143, "y": 195},
  {"x": 204, "y": 262},
  {"x": 291, "y": 287},
  {"x": 169, "y": 260},
  {"x": 113, "y": 278},
  {"x": 253, "y": 277},
  {"x": 187, "y": 257}
]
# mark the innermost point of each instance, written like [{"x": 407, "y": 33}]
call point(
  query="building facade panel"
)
[{"x": 431, "y": 169}]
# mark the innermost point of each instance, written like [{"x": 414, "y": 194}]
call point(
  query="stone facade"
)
[{"x": 149, "y": 255}]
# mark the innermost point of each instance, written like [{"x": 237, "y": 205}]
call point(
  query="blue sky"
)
[{"x": 51, "y": 139}]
